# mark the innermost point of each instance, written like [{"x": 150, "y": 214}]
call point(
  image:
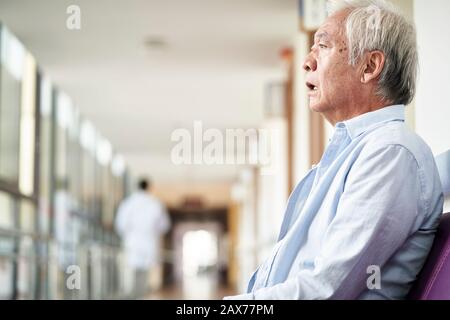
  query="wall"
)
[
  {"x": 407, "y": 8},
  {"x": 212, "y": 194},
  {"x": 244, "y": 195},
  {"x": 272, "y": 193},
  {"x": 432, "y": 99},
  {"x": 301, "y": 111}
]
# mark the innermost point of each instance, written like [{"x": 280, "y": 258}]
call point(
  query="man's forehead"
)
[
  {"x": 330, "y": 29},
  {"x": 321, "y": 34}
]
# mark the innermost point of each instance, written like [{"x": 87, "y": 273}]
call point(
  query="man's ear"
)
[{"x": 373, "y": 66}]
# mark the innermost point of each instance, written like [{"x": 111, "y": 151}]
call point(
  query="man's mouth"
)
[{"x": 311, "y": 86}]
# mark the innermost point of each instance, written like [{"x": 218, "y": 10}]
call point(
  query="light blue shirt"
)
[{"x": 373, "y": 203}]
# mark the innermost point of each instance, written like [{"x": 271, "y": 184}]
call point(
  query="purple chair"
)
[{"x": 434, "y": 279}]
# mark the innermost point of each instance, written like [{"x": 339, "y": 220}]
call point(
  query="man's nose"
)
[{"x": 310, "y": 63}]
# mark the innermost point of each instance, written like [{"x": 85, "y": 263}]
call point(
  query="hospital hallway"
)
[
  {"x": 193, "y": 288},
  {"x": 148, "y": 148},
  {"x": 196, "y": 267}
]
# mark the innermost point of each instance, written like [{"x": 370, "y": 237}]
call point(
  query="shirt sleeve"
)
[{"x": 377, "y": 212}]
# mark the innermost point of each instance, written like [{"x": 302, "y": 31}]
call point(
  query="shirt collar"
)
[{"x": 364, "y": 122}]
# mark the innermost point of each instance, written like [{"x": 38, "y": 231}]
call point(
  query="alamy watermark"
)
[
  {"x": 212, "y": 146},
  {"x": 374, "y": 280},
  {"x": 73, "y": 281},
  {"x": 73, "y": 21}
]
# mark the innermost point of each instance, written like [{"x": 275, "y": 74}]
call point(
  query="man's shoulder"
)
[
  {"x": 148, "y": 199},
  {"x": 397, "y": 136}
]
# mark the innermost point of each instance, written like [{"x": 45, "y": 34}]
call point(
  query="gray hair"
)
[{"x": 377, "y": 25}]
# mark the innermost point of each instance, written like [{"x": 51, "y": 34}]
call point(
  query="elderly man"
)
[{"x": 360, "y": 224}]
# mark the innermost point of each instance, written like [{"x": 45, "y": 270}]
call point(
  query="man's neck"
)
[{"x": 346, "y": 113}]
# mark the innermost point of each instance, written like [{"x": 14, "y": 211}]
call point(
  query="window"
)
[
  {"x": 28, "y": 128},
  {"x": 11, "y": 75},
  {"x": 46, "y": 110},
  {"x": 26, "y": 269},
  {"x": 6, "y": 268},
  {"x": 74, "y": 158},
  {"x": 88, "y": 139},
  {"x": 104, "y": 157},
  {"x": 27, "y": 216},
  {"x": 6, "y": 246},
  {"x": 6, "y": 211},
  {"x": 63, "y": 113}
]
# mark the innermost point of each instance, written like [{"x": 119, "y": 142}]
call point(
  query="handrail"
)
[{"x": 19, "y": 233}]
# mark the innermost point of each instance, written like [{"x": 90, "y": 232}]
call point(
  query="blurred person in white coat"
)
[{"x": 141, "y": 220}]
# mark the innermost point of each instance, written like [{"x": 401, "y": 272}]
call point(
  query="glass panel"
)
[
  {"x": 118, "y": 170},
  {"x": 26, "y": 269},
  {"x": 27, "y": 216},
  {"x": 98, "y": 193},
  {"x": 88, "y": 182},
  {"x": 104, "y": 158},
  {"x": 27, "y": 127},
  {"x": 118, "y": 165},
  {"x": 87, "y": 140},
  {"x": 6, "y": 211},
  {"x": 45, "y": 154},
  {"x": 53, "y": 272},
  {"x": 65, "y": 229},
  {"x": 11, "y": 73},
  {"x": 6, "y": 268},
  {"x": 42, "y": 275},
  {"x": 105, "y": 203},
  {"x": 61, "y": 203},
  {"x": 73, "y": 160},
  {"x": 64, "y": 116},
  {"x": 61, "y": 159},
  {"x": 6, "y": 246}
]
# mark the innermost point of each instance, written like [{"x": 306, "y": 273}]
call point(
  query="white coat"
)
[{"x": 141, "y": 220}]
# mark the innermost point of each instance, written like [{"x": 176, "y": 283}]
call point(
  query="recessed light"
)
[{"x": 155, "y": 42}]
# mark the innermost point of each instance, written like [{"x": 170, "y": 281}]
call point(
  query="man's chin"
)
[{"x": 316, "y": 106}]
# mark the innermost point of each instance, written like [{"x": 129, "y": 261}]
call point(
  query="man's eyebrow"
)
[{"x": 321, "y": 35}]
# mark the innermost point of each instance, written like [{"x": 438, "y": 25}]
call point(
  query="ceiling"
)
[{"x": 210, "y": 62}]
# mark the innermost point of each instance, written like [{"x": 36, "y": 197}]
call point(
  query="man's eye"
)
[{"x": 322, "y": 46}]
